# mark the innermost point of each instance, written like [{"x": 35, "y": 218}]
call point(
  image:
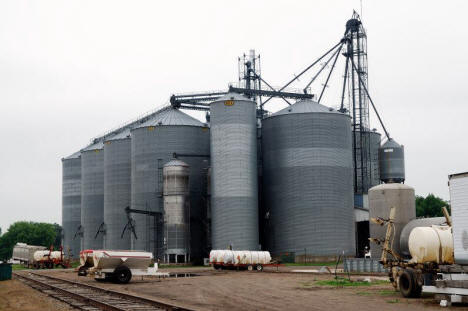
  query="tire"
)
[
  {"x": 82, "y": 271},
  {"x": 408, "y": 283},
  {"x": 259, "y": 268},
  {"x": 122, "y": 275},
  {"x": 250, "y": 267}
]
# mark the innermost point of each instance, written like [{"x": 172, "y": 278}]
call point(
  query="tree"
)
[
  {"x": 32, "y": 233},
  {"x": 430, "y": 206},
  {"x": 58, "y": 236}
]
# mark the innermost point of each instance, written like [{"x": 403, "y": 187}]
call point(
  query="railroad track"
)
[{"x": 90, "y": 298}]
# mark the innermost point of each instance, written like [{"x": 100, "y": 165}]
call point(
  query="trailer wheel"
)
[
  {"x": 250, "y": 267},
  {"x": 409, "y": 286},
  {"x": 82, "y": 271},
  {"x": 122, "y": 275},
  {"x": 259, "y": 268}
]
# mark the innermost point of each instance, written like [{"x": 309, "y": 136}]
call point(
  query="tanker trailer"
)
[
  {"x": 250, "y": 260},
  {"x": 430, "y": 247},
  {"x": 117, "y": 266}
]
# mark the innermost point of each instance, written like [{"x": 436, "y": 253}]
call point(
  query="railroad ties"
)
[{"x": 90, "y": 298}]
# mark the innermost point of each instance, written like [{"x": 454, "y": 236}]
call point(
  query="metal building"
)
[
  {"x": 234, "y": 190},
  {"x": 392, "y": 162},
  {"x": 92, "y": 196},
  {"x": 308, "y": 181},
  {"x": 153, "y": 144},
  {"x": 71, "y": 203},
  {"x": 176, "y": 211},
  {"x": 117, "y": 189}
]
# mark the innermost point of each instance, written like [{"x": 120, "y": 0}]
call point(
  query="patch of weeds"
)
[
  {"x": 340, "y": 282},
  {"x": 392, "y": 301},
  {"x": 387, "y": 292},
  {"x": 363, "y": 293}
]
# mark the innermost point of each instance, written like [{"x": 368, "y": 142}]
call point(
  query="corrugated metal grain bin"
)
[
  {"x": 92, "y": 195},
  {"x": 234, "y": 184},
  {"x": 71, "y": 203},
  {"x": 153, "y": 144},
  {"x": 308, "y": 180},
  {"x": 117, "y": 189}
]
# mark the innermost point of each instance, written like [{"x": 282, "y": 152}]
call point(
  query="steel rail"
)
[{"x": 112, "y": 302}]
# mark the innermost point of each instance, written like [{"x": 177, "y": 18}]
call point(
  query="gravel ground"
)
[
  {"x": 269, "y": 290},
  {"x": 16, "y": 296}
]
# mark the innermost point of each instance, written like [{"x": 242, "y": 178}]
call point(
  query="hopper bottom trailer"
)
[
  {"x": 250, "y": 260},
  {"x": 117, "y": 266}
]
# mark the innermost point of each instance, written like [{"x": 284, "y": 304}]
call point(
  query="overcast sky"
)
[{"x": 71, "y": 70}]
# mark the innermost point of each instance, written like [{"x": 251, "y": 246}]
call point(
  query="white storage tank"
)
[
  {"x": 381, "y": 199},
  {"x": 431, "y": 244}
]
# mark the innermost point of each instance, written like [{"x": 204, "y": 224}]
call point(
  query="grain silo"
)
[
  {"x": 176, "y": 211},
  {"x": 308, "y": 181},
  {"x": 381, "y": 199},
  {"x": 392, "y": 162},
  {"x": 153, "y": 144},
  {"x": 92, "y": 196},
  {"x": 71, "y": 203},
  {"x": 234, "y": 197},
  {"x": 117, "y": 189}
]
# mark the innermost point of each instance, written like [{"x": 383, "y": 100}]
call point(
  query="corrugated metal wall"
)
[
  {"x": 308, "y": 180},
  {"x": 71, "y": 203},
  {"x": 153, "y": 145},
  {"x": 234, "y": 189},
  {"x": 117, "y": 191},
  {"x": 92, "y": 197}
]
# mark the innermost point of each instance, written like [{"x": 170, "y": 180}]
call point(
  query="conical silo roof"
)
[
  {"x": 75, "y": 155},
  {"x": 305, "y": 106},
  {"x": 171, "y": 116}
]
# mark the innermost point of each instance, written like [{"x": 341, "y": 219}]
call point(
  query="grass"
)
[
  {"x": 16, "y": 267},
  {"x": 392, "y": 301},
  {"x": 314, "y": 264},
  {"x": 387, "y": 292},
  {"x": 341, "y": 282}
]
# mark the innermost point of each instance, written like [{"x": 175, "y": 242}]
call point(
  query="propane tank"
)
[{"x": 431, "y": 244}]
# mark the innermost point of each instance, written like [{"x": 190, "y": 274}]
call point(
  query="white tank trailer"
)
[
  {"x": 116, "y": 266},
  {"x": 176, "y": 211},
  {"x": 37, "y": 257},
  {"x": 437, "y": 247},
  {"x": 250, "y": 260}
]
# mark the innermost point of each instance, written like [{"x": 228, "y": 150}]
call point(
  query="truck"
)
[
  {"x": 117, "y": 265},
  {"x": 439, "y": 253},
  {"x": 250, "y": 260},
  {"x": 39, "y": 257}
]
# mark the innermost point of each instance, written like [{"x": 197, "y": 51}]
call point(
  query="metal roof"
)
[
  {"x": 390, "y": 143},
  {"x": 75, "y": 155},
  {"x": 171, "y": 116},
  {"x": 305, "y": 106},
  {"x": 233, "y": 96}
]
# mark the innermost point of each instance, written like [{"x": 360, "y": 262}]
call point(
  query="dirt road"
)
[
  {"x": 15, "y": 296},
  {"x": 234, "y": 290}
]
